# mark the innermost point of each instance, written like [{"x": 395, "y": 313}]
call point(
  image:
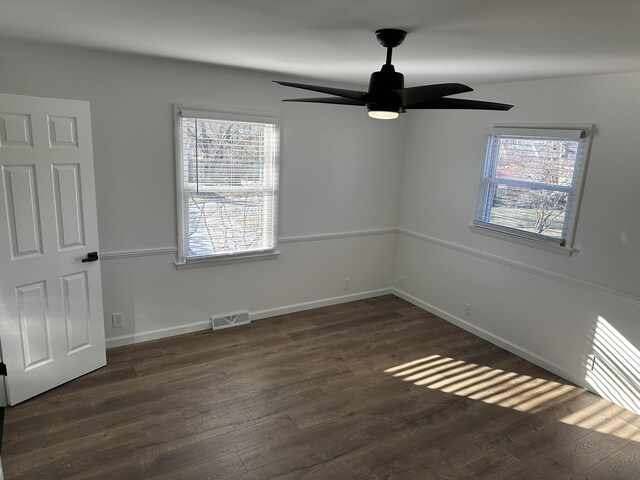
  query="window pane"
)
[
  {"x": 229, "y": 223},
  {"x": 540, "y": 160},
  {"x": 226, "y": 153},
  {"x": 528, "y": 209}
]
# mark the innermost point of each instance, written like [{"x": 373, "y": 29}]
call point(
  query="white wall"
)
[
  {"x": 538, "y": 303},
  {"x": 340, "y": 172}
]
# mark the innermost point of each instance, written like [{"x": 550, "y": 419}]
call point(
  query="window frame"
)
[
  {"x": 233, "y": 115},
  {"x": 581, "y": 132}
]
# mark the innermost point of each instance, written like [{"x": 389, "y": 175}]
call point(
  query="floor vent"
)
[{"x": 230, "y": 320}]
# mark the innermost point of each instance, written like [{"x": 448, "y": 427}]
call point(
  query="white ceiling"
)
[{"x": 471, "y": 41}]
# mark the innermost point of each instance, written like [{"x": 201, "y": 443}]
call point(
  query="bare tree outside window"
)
[{"x": 547, "y": 163}]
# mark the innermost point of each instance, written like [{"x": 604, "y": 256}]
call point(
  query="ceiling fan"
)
[{"x": 387, "y": 97}]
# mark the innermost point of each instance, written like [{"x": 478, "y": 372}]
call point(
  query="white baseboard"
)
[
  {"x": 256, "y": 315},
  {"x": 495, "y": 339},
  {"x": 299, "y": 307},
  {"x": 140, "y": 337}
]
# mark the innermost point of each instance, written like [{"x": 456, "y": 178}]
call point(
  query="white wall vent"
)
[{"x": 230, "y": 320}]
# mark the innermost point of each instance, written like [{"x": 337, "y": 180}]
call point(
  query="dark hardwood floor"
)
[{"x": 374, "y": 389}]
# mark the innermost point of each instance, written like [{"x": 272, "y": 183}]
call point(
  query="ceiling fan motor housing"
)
[{"x": 383, "y": 86}]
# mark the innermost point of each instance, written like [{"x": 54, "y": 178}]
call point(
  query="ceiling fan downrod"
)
[{"x": 387, "y": 79}]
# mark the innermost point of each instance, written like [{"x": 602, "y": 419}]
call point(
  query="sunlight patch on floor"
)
[{"x": 518, "y": 392}]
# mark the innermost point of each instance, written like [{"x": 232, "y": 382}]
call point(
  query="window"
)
[
  {"x": 227, "y": 184},
  {"x": 532, "y": 181}
]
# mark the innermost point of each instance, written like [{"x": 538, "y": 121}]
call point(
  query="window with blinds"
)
[
  {"x": 227, "y": 188},
  {"x": 532, "y": 181}
]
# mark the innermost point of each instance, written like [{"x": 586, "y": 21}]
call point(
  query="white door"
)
[{"x": 51, "y": 324}]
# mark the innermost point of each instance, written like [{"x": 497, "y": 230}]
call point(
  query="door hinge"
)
[{"x": 3, "y": 369}]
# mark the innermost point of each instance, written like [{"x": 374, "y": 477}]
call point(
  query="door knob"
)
[{"x": 91, "y": 257}]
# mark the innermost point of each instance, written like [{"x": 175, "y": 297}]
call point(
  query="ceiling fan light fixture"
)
[
  {"x": 383, "y": 111},
  {"x": 383, "y": 114}
]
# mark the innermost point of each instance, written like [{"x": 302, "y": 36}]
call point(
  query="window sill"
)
[
  {"x": 566, "y": 251},
  {"x": 227, "y": 260}
]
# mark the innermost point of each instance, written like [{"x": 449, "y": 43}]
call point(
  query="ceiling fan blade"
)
[
  {"x": 339, "y": 92},
  {"x": 459, "y": 104},
  {"x": 330, "y": 100},
  {"x": 424, "y": 93}
]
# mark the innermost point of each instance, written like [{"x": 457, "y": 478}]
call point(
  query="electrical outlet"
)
[
  {"x": 346, "y": 284},
  {"x": 467, "y": 309},
  {"x": 117, "y": 319},
  {"x": 403, "y": 281}
]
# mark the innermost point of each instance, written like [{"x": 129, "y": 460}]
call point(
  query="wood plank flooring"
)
[{"x": 374, "y": 389}]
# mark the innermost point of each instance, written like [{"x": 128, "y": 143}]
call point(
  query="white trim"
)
[
  {"x": 256, "y": 315},
  {"x": 157, "y": 333},
  {"x": 227, "y": 260},
  {"x": 575, "y": 131},
  {"x": 617, "y": 294},
  {"x": 495, "y": 232},
  {"x": 138, "y": 253},
  {"x": 495, "y": 339},
  {"x": 299, "y": 307},
  {"x": 295, "y": 239},
  {"x": 331, "y": 236},
  {"x": 227, "y": 114},
  {"x": 582, "y": 133},
  {"x": 223, "y": 114},
  {"x": 3, "y": 394}
]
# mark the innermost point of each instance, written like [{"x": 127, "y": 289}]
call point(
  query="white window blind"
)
[
  {"x": 227, "y": 191},
  {"x": 531, "y": 182}
]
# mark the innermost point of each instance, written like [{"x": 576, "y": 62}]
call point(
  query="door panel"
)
[
  {"x": 75, "y": 290},
  {"x": 23, "y": 216},
  {"x": 51, "y": 319},
  {"x": 15, "y": 130},
  {"x": 34, "y": 324},
  {"x": 68, "y": 198},
  {"x": 63, "y": 131}
]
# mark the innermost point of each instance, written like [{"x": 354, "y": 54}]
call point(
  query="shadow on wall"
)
[{"x": 613, "y": 369}]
